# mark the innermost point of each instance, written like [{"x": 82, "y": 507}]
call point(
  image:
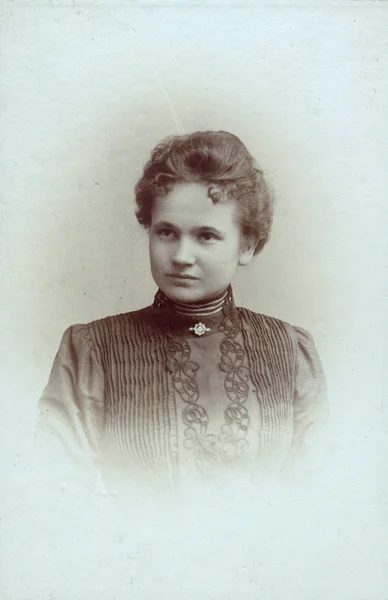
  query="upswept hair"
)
[{"x": 218, "y": 159}]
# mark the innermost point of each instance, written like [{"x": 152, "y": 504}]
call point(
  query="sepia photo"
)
[
  {"x": 191, "y": 382},
  {"x": 194, "y": 300}
]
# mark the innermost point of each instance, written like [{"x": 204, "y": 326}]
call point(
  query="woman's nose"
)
[{"x": 184, "y": 253}]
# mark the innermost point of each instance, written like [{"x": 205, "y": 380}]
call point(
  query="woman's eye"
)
[
  {"x": 207, "y": 236},
  {"x": 166, "y": 234}
]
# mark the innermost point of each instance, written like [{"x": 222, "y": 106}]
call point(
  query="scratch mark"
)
[{"x": 171, "y": 107}]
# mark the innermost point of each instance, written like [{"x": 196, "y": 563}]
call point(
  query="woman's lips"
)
[{"x": 183, "y": 277}]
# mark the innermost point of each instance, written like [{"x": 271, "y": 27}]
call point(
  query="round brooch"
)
[{"x": 199, "y": 329}]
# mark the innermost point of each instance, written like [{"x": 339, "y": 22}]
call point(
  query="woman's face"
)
[{"x": 195, "y": 245}]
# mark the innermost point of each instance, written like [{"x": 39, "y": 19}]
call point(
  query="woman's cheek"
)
[
  {"x": 158, "y": 246},
  {"x": 163, "y": 251}
]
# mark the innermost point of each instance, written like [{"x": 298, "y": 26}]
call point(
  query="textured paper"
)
[{"x": 87, "y": 89}]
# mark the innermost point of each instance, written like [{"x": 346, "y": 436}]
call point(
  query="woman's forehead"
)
[{"x": 190, "y": 204}]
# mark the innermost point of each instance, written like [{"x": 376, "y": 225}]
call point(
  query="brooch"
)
[{"x": 199, "y": 329}]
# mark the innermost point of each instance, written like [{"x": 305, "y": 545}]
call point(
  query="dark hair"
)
[{"x": 216, "y": 158}]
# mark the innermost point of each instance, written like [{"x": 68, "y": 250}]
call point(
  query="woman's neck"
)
[
  {"x": 193, "y": 318},
  {"x": 202, "y": 308},
  {"x": 207, "y": 308}
]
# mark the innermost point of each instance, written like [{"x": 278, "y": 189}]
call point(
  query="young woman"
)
[{"x": 191, "y": 385}]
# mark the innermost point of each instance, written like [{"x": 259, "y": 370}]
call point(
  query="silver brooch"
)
[{"x": 199, "y": 329}]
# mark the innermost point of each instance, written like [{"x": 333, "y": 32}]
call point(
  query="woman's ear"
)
[{"x": 248, "y": 249}]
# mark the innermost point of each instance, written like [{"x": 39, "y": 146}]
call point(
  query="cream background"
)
[{"x": 86, "y": 91}]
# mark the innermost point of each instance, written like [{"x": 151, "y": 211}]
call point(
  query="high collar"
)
[{"x": 194, "y": 318}]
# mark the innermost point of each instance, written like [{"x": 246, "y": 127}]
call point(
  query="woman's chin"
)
[
  {"x": 181, "y": 293},
  {"x": 189, "y": 293}
]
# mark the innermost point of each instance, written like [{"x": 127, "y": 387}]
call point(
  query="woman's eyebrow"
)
[
  {"x": 197, "y": 229},
  {"x": 208, "y": 228},
  {"x": 165, "y": 224}
]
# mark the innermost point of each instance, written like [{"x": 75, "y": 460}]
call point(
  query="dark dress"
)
[{"x": 141, "y": 395}]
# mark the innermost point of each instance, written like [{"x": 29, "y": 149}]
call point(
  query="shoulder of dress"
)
[
  {"x": 111, "y": 327},
  {"x": 274, "y": 328},
  {"x": 270, "y": 339},
  {"x": 266, "y": 320},
  {"x": 99, "y": 333},
  {"x": 113, "y": 320}
]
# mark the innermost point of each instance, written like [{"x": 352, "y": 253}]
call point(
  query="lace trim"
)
[{"x": 213, "y": 453}]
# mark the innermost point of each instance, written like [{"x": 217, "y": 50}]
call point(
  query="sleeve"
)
[
  {"x": 71, "y": 409},
  {"x": 310, "y": 407}
]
